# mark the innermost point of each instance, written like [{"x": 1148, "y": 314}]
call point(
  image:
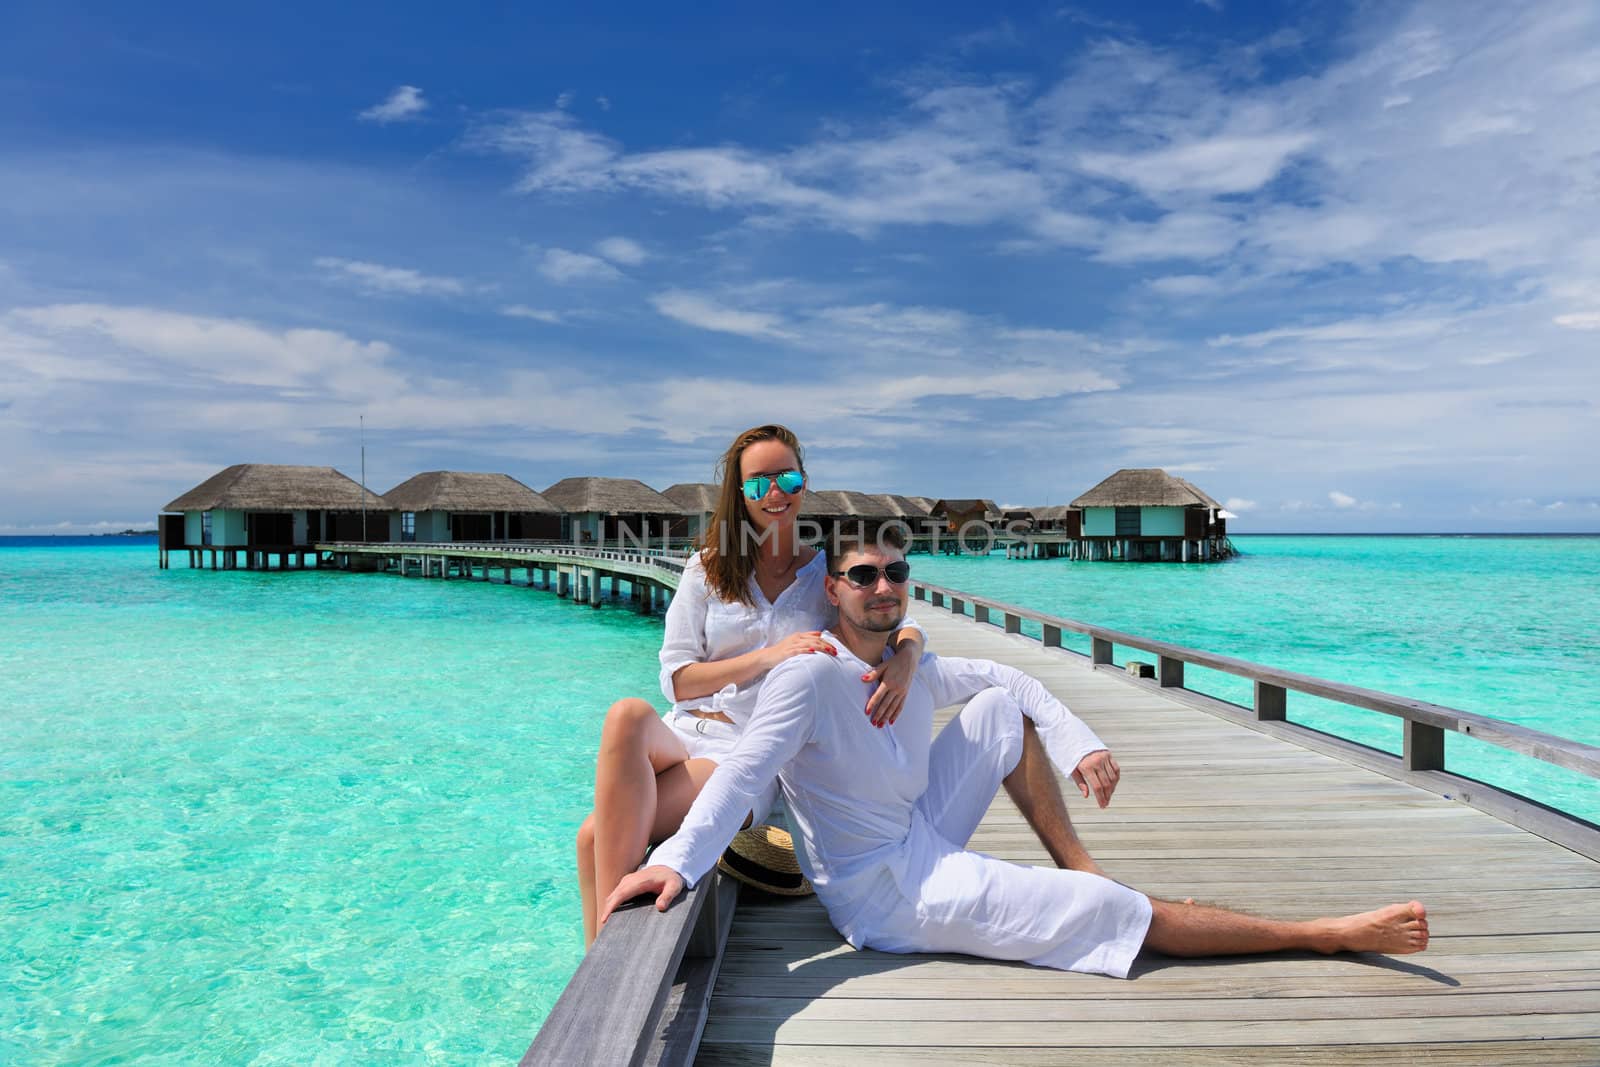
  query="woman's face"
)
[{"x": 777, "y": 507}]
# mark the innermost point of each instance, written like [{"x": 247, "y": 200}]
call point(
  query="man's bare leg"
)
[
  {"x": 1036, "y": 791},
  {"x": 1197, "y": 930}
]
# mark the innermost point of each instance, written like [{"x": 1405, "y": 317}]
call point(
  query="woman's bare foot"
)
[{"x": 1395, "y": 930}]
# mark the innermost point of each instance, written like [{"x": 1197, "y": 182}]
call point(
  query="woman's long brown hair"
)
[{"x": 729, "y": 544}]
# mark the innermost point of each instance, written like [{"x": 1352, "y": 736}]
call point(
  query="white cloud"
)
[
  {"x": 622, "y": 250},
  {"x": 1579, "y": 320},
  {"x": 1213, "y": 166},
  {"x": 1342, "y": 500},
  {"x": 695, "y": 309},
  {"x": 564, "y": 101},
  {"x": 1239, "y": 504},
  {"x": 560, "y": 265},
  {"x": 384, "y": 279},
  {"x": 523, "y": 311},
  {"x": 403, "y": 104}
]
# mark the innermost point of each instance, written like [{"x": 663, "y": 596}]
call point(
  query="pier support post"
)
[
  {"x": 563, "y": 583},
  {"x": 1169, "y": 672},
  {"x": 1424, "y": 746},
  {"x": 1272, "y": 704},
  {"x": 594, "y": 588}
]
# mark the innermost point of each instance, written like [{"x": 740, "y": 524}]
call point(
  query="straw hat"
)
[{"x": 763, "y": 856}]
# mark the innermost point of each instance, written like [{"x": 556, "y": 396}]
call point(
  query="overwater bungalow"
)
[
  {"x": 1144, "y": 514},
  {"x": 958, "y": 513},
  {"x": 258, "y": 511},
  {"x": 469, "y": 506},
  {"x": 609, "y": 510},
  {"x": 699, "y": 502}
]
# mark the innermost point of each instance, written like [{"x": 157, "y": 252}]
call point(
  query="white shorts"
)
[
  {"x": 960, "y": 901},
  {"x": 713, "y": 739}
]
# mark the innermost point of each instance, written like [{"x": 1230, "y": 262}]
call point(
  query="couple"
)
[{"x": 883, "y": 810}]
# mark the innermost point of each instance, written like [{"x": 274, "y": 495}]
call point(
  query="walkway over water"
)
[
  {"x": 1231, "y": 806},
  {"x": 1230, "y": 816}
]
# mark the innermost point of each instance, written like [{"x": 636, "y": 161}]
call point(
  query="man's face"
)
[{"x": 876, "y": 607}]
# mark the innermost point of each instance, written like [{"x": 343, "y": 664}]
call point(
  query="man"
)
[{"x": 882, "y": 816}]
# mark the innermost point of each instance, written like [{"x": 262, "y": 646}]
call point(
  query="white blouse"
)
[{"x": 703, "y": 628}]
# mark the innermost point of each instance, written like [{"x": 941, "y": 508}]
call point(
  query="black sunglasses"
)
[{"x": 865, "y": 575}]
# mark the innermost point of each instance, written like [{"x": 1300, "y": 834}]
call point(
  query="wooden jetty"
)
[{"x": 1228, "y": 804}]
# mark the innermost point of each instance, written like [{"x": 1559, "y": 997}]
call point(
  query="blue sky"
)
[{"x": 1338, "y": 265}]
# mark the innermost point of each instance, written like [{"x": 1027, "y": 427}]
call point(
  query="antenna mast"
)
[{"x": 363, "y": 477}]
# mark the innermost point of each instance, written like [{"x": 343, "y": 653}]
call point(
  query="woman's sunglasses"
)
[
  {"x": 865, "y": 575},
  {"x": 758, "y": 487}
]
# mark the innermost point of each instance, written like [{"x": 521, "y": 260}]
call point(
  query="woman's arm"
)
[{"x": 702, "y": 679}]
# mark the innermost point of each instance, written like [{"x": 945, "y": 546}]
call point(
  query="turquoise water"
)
[
  {"x": 290, "y": 818},
  {"x": 320, "y": 817},
  {"x": 1503, "y": 627}
]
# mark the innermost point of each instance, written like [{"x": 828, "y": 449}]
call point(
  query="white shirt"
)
[
  {"x": 852, "y": 787},
  {"x": 701, "y": 627}
]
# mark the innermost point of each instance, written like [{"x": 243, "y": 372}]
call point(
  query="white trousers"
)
[{"x": 959, "y": 901}]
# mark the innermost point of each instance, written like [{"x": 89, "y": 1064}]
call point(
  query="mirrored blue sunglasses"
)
[{"x": 758, "y": 487}]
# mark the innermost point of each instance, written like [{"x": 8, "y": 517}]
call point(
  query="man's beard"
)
[{"x": 865, "y": 623}]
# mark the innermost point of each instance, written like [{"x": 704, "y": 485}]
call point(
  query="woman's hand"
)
[
  {"x": 801, "y": 644},
  {"x": 894, "y": 682}
]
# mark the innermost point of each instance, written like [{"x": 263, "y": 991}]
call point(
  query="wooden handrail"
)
[
  {"x": 640, "y": 995},
  {"x": 1426, "y": 722}
]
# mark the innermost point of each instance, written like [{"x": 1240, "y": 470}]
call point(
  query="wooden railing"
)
[
  {"x": 1422, "y": 760},
  {"x": 640, "y": 995}
]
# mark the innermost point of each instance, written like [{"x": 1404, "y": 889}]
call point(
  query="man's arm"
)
[
  {"x": 1071, "y": 745},
  {"x": 779, "y": 727}
]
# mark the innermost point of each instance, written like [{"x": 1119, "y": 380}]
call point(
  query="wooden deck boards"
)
[{"x": 1230, "y": 816}]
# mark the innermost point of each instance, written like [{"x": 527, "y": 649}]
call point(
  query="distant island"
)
[{"x": 130, "y": 533}]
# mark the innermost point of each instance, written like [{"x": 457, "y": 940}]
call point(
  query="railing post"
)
[
  {"x": 938, "y": 599},
  {"x": 958, "y": 606},
  {"x": 1169, "y": 672},
  {"x": 1013, "y": 623},
  {"x": 1271, "y": 703},
  {"x": 1100, "y": 650},
  {"x": 1424, "y": 746},
  {"x": 980, "y": 612},
  {"x": 1052, "y": 636},
  {"x": 920, "y": 592}
]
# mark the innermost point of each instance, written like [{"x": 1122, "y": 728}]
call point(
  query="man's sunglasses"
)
[
  {"x": 758, "y": 487},
  {"x": 865, "y": 575}
]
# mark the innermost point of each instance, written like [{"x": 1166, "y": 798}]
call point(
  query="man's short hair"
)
[{"x": 861, "y": 536}]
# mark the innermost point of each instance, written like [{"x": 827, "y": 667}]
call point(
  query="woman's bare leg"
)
[
  {"x": 1195, "y": 930},
  {"x": 630, "y": 803}
]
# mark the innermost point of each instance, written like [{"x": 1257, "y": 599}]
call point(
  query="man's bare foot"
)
[{"x": 1395, "y": 930}]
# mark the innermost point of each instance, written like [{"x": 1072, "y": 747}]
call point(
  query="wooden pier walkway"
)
[
  {"x": 1210, "y": 809},
  {"x": 1229, "y": 805}
]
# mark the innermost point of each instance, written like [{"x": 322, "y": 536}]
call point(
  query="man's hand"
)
[
  {"x": 894, "y": 682},
  {"x": 665, "y": 882},
  {"x": 1098, "y": 771}
]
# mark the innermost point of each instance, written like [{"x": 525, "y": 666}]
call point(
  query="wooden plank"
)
[
  {"x": 1105, "y": 1038},
  {"x": 1540, "y": 1053}
]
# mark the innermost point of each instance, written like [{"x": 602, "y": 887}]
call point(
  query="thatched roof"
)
[
  {"x": 945, "y": 507},
  {"x": 1144, "y": 487},
  {"x": 866, "y": 506},
  {"x": 467, "y": 491},
  {"x": 277, "y": 487},
  {"x": 905, "y": 507},
  {"x": 699, "y": 498},
  {"x": 1050, "y": 512},
  {"x": 926, "y": 503},
  {"x": 825, "y": 503},
  {"x": 610, "y": 496}
]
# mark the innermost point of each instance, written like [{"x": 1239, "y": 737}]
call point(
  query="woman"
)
[{"x": 748, "y": 600}]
